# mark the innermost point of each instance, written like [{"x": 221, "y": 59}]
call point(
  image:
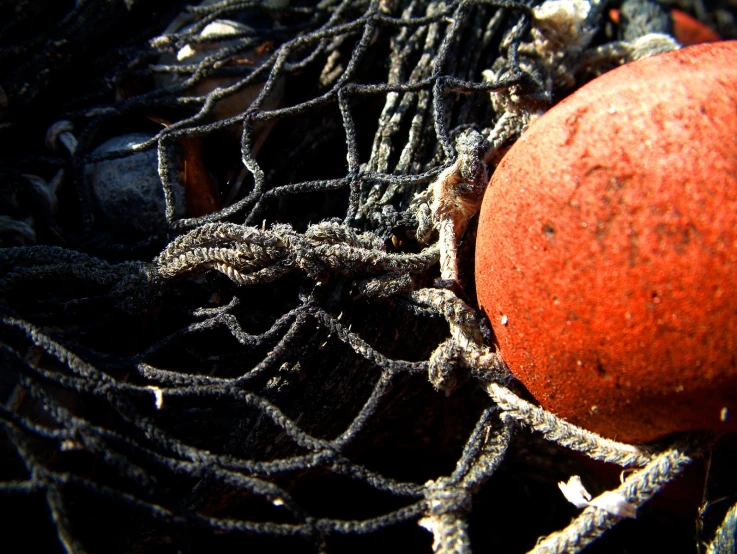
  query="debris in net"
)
[
  {"x": 609, "y": 501},
  {"x": 689, "y": 30},
  {"x": 575, "y": 492},
  {"x": 615, "y": 504},
  {"x": 158, "y": 396}
]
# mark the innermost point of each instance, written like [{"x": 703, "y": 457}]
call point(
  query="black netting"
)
[{"x": 282, "y": 350}]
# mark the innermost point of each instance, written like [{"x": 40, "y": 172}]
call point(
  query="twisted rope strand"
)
[
  {"x": 637, "y": 489},
  {"x": 561, "y": 432}
]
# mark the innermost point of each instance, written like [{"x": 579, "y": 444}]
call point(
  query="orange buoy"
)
[{"x": 607, "y": 249}]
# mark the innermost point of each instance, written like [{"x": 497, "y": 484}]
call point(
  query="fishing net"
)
[{"x": 281, "y": 350}]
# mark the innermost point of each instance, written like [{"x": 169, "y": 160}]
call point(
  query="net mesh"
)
[{"x": 282, "y": 350}]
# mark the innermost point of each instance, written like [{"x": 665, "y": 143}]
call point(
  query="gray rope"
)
[
  {"x": 559, "y": 431},
  {"x": 725, "y": 539},
  {"x": 637, "y": 489}
]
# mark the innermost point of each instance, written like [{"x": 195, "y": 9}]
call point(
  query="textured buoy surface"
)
[
  {"x": 128, "y": 193},
  {"x": 606, "y": 255}
]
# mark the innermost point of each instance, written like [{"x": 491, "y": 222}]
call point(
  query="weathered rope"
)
[{"x": 561, "y": 432}]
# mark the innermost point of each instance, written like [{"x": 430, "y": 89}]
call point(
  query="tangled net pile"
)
[{"x": 300, "y": 365}]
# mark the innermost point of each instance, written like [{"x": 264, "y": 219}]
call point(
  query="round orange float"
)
[{"x": 606, "y": 256}]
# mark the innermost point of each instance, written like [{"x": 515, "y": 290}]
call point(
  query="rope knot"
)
[{"x": 443, "y": 497}]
